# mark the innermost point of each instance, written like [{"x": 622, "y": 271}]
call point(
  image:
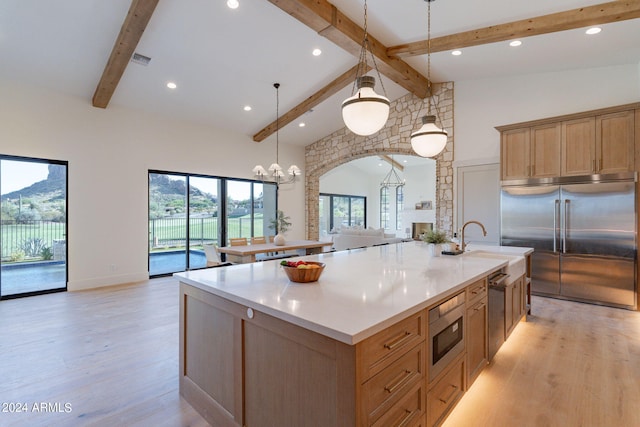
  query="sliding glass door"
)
[
  {"x": 338, "y": 211},
  {"x": 188, "y": 211},
  {"x": 204, "y": 211},
  {"x": 33, "y": 226}
]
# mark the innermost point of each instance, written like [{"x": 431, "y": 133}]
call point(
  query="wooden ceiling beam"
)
[
  {"x": 323, "y": 94},
  {"x": 392, "y": 162},
  {"x": 604, "y": 13},
  {"x": 134, "y": 25},
  {"x": 329, "y": 22}
]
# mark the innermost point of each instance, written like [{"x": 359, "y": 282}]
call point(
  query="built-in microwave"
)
[{"x": 446, "y": 333}]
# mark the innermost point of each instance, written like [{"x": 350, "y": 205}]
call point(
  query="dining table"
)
[{"x": 247, "y": 253}]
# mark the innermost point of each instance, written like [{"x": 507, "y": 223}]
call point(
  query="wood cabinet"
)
[
  {"x": 239, "y": 367},
  {"x": 600, "y": 144},
  {"x": 391, "y": 374},
  {"x": 615, "y": 138},
  {"x": 242, "y": 367},
  {"x": 593, "y": 142},
  {"x": 514, "y": 304},
  {"x": 477, "y": 345},
  {"x": 443, "y": 396},
  {"x": 579, "y": 146},
  {"x": 515, "y": 154},
  {"x": 531, "y": 152}
]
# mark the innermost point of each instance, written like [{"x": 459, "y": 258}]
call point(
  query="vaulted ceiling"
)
[{"x": 223, "y": 59}]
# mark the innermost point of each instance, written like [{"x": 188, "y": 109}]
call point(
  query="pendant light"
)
[
  {"x": 392, "y": 179},
  {"x": 429, "y": 140},
  {"x": 275, "y": 173},
  {"x": 365, "y": 112}
]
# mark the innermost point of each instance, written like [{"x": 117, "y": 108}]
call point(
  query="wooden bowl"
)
[{"x": 304, "y": 275}]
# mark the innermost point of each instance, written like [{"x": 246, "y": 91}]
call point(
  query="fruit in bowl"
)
[{"x": 303, "y": 271}]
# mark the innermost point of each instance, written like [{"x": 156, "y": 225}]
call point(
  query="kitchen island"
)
[{"x": 350, "y": 349}]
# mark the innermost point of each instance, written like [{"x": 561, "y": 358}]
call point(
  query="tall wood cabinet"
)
[{"x": 593, "y": 142}]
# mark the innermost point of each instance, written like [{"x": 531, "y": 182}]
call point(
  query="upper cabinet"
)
[
  {"x": 595, "y": 142},
  {"x": 615, "y": 142},
  {"x": 531, "y": 152}
]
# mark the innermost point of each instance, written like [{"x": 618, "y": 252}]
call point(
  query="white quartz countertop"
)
[{"x": 360, "y": 292}]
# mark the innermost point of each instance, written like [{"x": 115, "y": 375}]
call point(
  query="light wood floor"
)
[
  {"x": 112, "y": 354},
  {"x": 571, "y": 364}
]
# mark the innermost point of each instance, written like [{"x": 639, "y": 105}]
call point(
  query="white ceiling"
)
[{"x": 223, "y": 59}]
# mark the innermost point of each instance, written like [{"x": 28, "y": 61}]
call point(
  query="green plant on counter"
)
[{"x": 436, "y": 237}]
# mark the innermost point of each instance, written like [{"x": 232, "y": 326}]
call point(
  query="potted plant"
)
[
  {"x": 280, "y": 224},
  {"x": 435, "y": 239}
]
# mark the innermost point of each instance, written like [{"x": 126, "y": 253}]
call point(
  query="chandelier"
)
[
  {"x": 275, "y": 173},
  {"x": 392, "y": 179},
  {"x": 365, "y": 112},
  {"x": 429, "y": 140}
]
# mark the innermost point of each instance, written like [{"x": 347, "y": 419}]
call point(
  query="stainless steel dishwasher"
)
[{"x": 497, "y": 285}]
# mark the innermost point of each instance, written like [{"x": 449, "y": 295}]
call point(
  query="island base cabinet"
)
[
  {"x": 292, "y": 383},
  {"x": 445, "y": 393},
  {"x": 244, "y": 368},
  {"x": 408, "y": 412},
  {"x": 477, "y": 340}
]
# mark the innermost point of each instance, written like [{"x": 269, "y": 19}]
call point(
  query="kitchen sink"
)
[{"x": 516, "y": 267}]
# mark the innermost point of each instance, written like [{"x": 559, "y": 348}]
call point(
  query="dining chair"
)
[
  {"x": 238, "y": 241},
  {"x": 258, "y": 240},
  {"x": 213, "y": 256}
]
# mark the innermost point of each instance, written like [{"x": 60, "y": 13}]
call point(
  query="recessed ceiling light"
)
[
  {"x": 172, "y": 85},
  {"x": 515, "y": 43},
  {"x": 456, "y": 53},
  {"x": 247, "y": 108},
  {"x": 233, "y": 4},
  {"x": 302, "y": 124},
  {"x": 404, "y": 161},
  {"x": 593, "y": 30},
  {"x": 316, "y": 52}
]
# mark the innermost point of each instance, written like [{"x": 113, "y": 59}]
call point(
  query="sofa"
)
[{"x": 358, "y": 237}]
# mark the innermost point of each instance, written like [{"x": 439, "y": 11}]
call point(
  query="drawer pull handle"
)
[
  {"x": 398, "y": 341},
  {"x": 407, "y": 416},
  {"x": 403, "y": 378},
  {"x": 478, "y": 307},
  {"x": 453, "y": 393}
]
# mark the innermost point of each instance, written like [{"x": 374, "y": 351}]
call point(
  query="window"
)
[
  {"x": 33, "y": 230},
  {"x": 384, "y": 207},
  {"x": 338, "y": 210},
  {"x": 399, "y": 206},
  {"x": 188, "y": 211}
]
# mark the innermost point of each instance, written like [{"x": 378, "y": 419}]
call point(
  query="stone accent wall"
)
[{"x": 405, "y": 115}]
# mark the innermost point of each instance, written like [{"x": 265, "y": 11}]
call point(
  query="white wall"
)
[
  {"x": 110, "y": 152},
  {"x": 480, "y": 105}
]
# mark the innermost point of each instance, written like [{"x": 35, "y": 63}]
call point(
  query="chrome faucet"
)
[{"x": 463, "y": 244}]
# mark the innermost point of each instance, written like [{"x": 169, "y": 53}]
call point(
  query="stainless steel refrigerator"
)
[{"x": 583, "y": 230}]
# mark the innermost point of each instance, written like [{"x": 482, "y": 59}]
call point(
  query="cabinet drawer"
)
[
  {"x": 476, "y": 291},
  {"x": 408, "y": 412},
  {"x": 379, "y": 350},
  {"x": 394, "y": 382},
  {"x": 445, "y": 394}
]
